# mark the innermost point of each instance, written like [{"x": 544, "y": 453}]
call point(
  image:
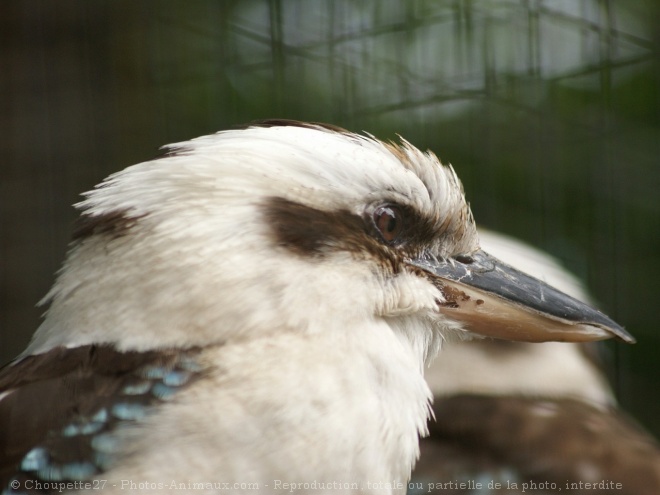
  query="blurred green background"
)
[{"x": 549, "y": 111}]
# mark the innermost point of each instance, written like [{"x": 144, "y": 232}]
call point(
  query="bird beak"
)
[{"x": 494, "y": 299}]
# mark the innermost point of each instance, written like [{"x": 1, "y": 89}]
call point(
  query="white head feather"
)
[{"x": 197, "y": 263}]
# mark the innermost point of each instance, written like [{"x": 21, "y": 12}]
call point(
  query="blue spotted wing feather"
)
[{"x": 58, "y": 410}]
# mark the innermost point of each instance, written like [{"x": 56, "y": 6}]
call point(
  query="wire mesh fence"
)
[{"x": 549, "y": 111}]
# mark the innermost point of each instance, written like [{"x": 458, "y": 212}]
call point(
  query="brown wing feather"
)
[
  {"x": 51, "y": 398},
  {"x": 537, "y": 440}
]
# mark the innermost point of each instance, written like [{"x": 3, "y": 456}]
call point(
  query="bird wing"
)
[
  {"x": 520, "y": 440},
  {"x": 58, "y": 409}
]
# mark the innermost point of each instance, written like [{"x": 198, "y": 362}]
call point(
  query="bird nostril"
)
[{"x": 465, "y": 259}]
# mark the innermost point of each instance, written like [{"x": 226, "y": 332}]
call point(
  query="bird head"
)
[{"x": 288, "y": 226}]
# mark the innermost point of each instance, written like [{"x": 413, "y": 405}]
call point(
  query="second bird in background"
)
[{"x": 515, "y": 417}]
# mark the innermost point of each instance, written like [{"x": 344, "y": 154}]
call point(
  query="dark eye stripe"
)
[{"x": 388, "y": 231}]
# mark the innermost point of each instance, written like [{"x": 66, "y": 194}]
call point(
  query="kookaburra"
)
[
  {"x": 254, "y": 310},
  {"x": 533, "y": 418}
]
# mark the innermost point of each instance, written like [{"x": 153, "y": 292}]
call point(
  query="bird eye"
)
[{"x": 389, "y": 222}]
